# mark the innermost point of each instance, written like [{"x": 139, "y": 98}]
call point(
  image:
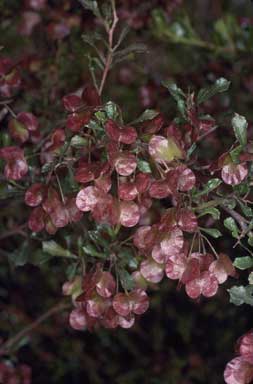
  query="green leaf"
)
[
  {"x": 39, "y": 257},
  {"x": 235, "y": 153},
  {"x": 250, "y": 240},
  {"x": 212, "y": 232},
  {"x": 128, "y": 53},
  {"x": 220, "y": 85},
  {"x": 176, "y": 92},
  {"x": 92, "y": 6},
  {"x": 160, "y": 24},
  {"x": 214, "y": 212},
  {"x": 231, "y": 225},
  {"x": 144, "y": 166},
  {"x": 241, "y": 295},
  {"x": 230, "y": 203},
  {"x": 191, "y": 150},
  {"x": 112, "y": 110},
  {"x": 124, "y": 32},
  {"x": 178, "y": 32},
  {"x": 78, "y": 141},
  {"x": 25, "y": 340},
  {"x": 148, "y": 114},
  {"x": 177, "y": 29},
  {"x": 243, "y": 262},
  {"x": 240, "y": 125},
  {"x": 178, "y": 95},
  {"x": 132, "y": 48},
  {"x": 127, "y": 258},
  {"x": 209, "y": 186},
  {"x": 47, "y": 167},
  {"x": 242, "y": 189},
  {"x": 247, "y": 211},
  {"x": 91, "y": 38},
  {"x": 71, "y": 270},
  {"x": 54, "y": 249},
  {"x": 101, "y": 116},
  {"x": 98, "y": 238},
  {"x": 224, "y": 29},
  {"x": 5, "y": 139},
  {"x": 89, "y": 249},
  {"x": 182, "y": 108},
  {"x": 95, "y": 127},
  {"x": 126, "y": 279},
  {"x": 20, "y": 256},
  {"x": 106, "y": 10}
]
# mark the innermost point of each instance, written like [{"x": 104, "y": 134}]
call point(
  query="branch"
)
[
  {"x": 239, "y": 218},
  {"x": 220, "y": 201},
  {"x": 5, "y": 347},
  {"x": 14, "y": 231},
  {"x": 110, "y": 48}
]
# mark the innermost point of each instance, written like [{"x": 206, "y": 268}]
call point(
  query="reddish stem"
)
[
  {"x": 5, "y": 347},
  {"x": 14, "y": 231},
  {"x": 109, "y": 57}
]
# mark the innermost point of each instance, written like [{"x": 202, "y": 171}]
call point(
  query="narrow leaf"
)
[
  {"x": 54, "y": 249},
  {"x": 231, "y": 225},
  {"x": 148, "y": 114},
  {"x": 126, "y": 280},
  {"x": 212, "y": 232},
  {"x": 221, "y": 85},
  {"x": 214, "y": 212},
  {"x": 89, "y": 249},
  {"x": 174, "y": 90},
  {"x": 209, "y": 186},
  {"x": 239, "y": 124}
]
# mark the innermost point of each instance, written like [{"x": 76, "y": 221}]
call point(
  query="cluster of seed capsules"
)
[
  {"x": 99, "y": 303},
  {"x": 137, "y": 178},
  {"x": 240, "y": 369},
  {"x": 162, "y": 251}
]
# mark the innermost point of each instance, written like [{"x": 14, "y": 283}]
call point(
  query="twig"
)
[
  {"x": 244, "y": 224},
  {"x": 13, "y": 114},
  {"x": 109, "y": 57},
  {"x": 15, "y": 231},
  {"x": 60, "y": 188},
  {"x": 240, "y": 219},
  {"x": 210, "y": 244},
  {"x": 243, "y": 246},
  {"x": 207, "y": 133},
  {"x": 192, "y": 244},
  {"x": 5, "y": 347}
]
